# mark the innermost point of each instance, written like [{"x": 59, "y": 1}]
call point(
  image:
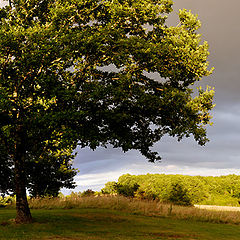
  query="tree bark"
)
[{"x": 22, "y": 207}]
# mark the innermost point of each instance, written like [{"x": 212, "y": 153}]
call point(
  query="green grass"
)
[
  {"x": 137, "y": 206},
  {"x": 99, "y": 224}
]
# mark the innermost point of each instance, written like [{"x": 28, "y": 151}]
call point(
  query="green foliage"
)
[
  {"x": 178, "y": 195},
  {"x": 221, "y": 200},
  {"x": 126, "y": 186},
  {"x": 180, "y": 189},
  {"x": 6, "y": 172},
  {"x": 110, "y": 188},
  {"x": 47, "y": 176},
  {"x": 87, "y": 193},
  {"x": 46, "y": 173},
  {"x": 52, "y": 86},
  {"x": 127, "y": 190},
  {"x": 7, "y": 200}
]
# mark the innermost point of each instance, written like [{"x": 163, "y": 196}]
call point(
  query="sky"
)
[{"x": 220, "y": 27}]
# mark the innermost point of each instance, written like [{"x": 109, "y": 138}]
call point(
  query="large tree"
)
[{"x": 79, "y": 72}]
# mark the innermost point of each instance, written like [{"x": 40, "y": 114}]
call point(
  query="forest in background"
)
[
  {"x": 179, "y": 189},
  {"x": 170, "y": 189}
]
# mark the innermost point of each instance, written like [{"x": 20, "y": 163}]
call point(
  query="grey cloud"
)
[
  {"x": 3, "y": 3},
  {"x": 221, "y": 152}
]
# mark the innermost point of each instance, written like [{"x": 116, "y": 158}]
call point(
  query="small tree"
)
[
  {"x": 179, "y": 195},
  {"x": 55, "y": 91}
]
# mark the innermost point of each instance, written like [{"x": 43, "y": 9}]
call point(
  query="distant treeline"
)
[{"x": 178, "y": 189}]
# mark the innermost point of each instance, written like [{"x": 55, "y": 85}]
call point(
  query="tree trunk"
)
[{"x": 22, "y": 207}]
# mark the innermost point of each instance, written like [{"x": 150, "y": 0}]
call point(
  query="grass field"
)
[
  {"x": 98, "y": 224},
  {"x": 142, "y": 207},
  {"x": 118, "y": 218}
]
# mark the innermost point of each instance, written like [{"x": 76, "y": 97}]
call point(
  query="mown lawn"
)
[{"x": 109, "y": 224}]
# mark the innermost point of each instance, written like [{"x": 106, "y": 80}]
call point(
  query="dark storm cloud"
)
[{"x": 220, "y": 27}]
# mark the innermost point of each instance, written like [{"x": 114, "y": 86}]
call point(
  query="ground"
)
[{"x": 99, "y": 224}]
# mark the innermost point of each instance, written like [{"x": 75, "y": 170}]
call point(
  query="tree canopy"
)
[
  {"x": 178, "y": 189},
  {"x": 76, "y": 72}
]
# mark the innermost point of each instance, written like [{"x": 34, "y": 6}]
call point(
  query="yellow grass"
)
[{"x": 135, "y": 206}]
